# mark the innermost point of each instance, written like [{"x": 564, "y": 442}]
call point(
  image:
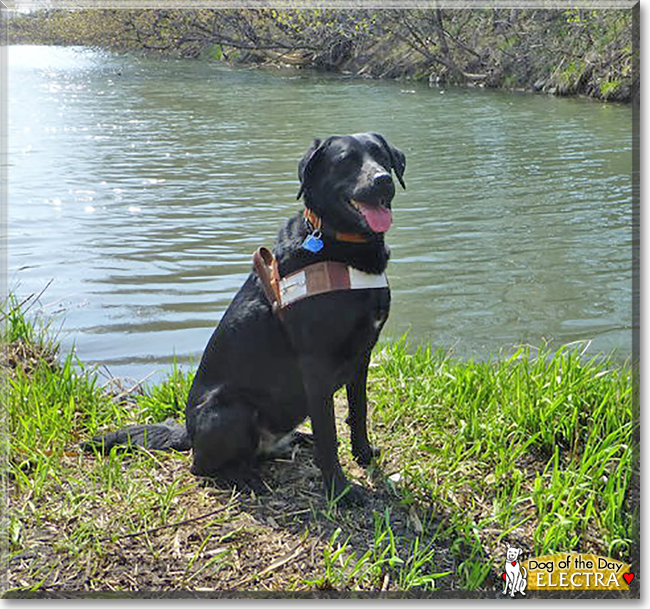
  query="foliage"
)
[
  {"x": 538, "y": 442},
  {"x": 343, "y": 569},
  {"x": 559, "y": 51}
]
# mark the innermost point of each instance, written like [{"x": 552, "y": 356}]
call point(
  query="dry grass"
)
[{"x": 211, "y": 538}]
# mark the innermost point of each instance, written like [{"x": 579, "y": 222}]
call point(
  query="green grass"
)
[
  {"x": 343, "y": 569},
  {"x": 534, "y": 448},
  {"x": 537, "y": 444}
]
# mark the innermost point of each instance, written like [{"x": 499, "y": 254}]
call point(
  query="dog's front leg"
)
[
  {"x": 514, "y": 584},
  {"x": 321, "y": 411},
  {"x": 508, "y": 583},
  {"x": 358, "y": 407}
]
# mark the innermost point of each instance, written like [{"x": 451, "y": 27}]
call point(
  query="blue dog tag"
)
[{"x": 313, "y": 243}]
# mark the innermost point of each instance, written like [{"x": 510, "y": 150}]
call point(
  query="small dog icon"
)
[{"x": 513, "y": 575}]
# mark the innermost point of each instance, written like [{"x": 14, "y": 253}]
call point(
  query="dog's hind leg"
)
[
  {"x": 224, "y": 436},
  {"x": 363, "y": 452},
  {"x": 283, "y": 446}
]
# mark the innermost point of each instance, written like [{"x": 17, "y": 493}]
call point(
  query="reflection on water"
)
[{"x": 143, "y": 186}]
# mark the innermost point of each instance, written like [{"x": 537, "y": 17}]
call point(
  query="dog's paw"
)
[
  {"x": 348, "y": 495},
  {"x": 242, "y": 477},
  {"x": 356, "y": 495},
  {"x": 366, "y": 455},
  {"x": 302, "y": 439}
]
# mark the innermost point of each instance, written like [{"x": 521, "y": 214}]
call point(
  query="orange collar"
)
[{"x": 316, "y": 222}]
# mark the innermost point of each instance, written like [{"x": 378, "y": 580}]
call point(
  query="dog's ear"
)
[
  {"x": 307, "y": 163},
  {"x": 397, "y": 158}
]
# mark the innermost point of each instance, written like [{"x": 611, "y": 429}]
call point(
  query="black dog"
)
[{"x": 282, "y": 349}]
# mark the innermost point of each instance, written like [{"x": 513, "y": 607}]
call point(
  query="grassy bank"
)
[{"x": 533, "y": 448}]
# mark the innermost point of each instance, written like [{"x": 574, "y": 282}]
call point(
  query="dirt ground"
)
[{"x": 222, "y": 537}]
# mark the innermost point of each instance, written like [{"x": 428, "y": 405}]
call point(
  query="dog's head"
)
[
  {"x": 512, "y": 553},
  {"x": 347, "y": 181}
]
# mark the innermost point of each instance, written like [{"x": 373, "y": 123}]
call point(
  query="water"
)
[{"x": 141, "y": 186}]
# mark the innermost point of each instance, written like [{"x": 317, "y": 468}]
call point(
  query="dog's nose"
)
[{"x": 382, "y": 180}]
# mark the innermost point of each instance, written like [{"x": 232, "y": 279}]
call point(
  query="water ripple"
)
[{"x": 144, "y": 186}]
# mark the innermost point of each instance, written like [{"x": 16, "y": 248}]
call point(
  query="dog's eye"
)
[
  {"x": 378, "y": 153},
  {"x": 345, "y": 158},
  {"x": 382, "y": 156}
]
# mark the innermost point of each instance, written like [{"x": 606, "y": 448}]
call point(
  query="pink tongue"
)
[{"x": 378, "y": 217}]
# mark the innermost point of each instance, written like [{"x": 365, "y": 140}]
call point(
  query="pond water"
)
[{"x": 141, "y": 187}]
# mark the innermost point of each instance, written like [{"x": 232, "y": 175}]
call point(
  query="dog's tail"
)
[{"x": 168, "y": 435}]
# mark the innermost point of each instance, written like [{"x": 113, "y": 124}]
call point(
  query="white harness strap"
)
[{"x": 303, "y": 283}]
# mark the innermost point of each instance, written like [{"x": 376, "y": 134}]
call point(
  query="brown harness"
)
[
  {"x": 317, "y": 278},
  {"x": 266, "y": 267}
]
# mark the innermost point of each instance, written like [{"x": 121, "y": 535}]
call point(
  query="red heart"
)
[
  {"x": 504, "y": 576},
  {"x": 628, "y": 577},
  {"x": 513, "y": 563}
]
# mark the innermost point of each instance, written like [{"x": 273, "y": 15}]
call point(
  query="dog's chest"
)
[
  {"x": 379, "y": 320},
  {"x": 342, "y": 321},
  {"x": 514, "y": 569}
]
